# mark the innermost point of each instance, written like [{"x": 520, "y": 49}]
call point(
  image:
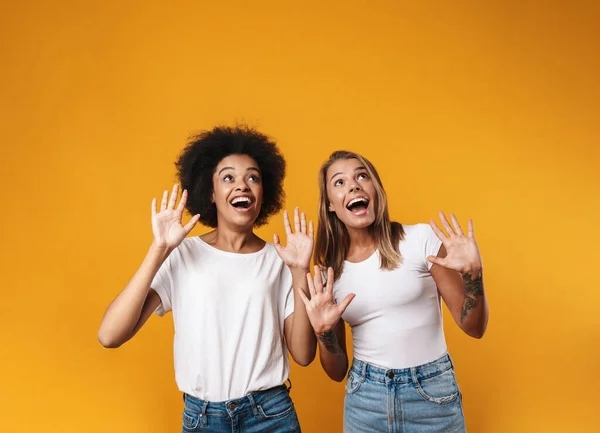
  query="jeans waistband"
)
[
  {"x": 239, "y": 405},
  {"x": 384, "y": 375}
]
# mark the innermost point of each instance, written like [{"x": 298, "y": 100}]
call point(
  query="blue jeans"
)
[
  {"x": 422, "y": 399},
  {"x": 261, "y": 411}
]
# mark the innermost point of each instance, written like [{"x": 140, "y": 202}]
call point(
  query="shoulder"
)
[
  {"x": 270, "y": 256},
  {"x": 418, "y": 239},
  {"x": 270, "y": 251},
  {"x": 188, "y": 248},
  {"x": 191, "y": 244},
  {"x": 416, "y": 232}
]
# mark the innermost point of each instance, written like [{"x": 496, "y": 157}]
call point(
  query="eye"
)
[
  {"x": 228, "y": 178},
  {"x": 338, "y": 182},
  {"x": 363, "y": 176},
  {"x": 254, "y": 178}
]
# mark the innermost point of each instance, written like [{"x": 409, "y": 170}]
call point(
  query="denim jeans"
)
[
  {"x": 261, "y": 411},
  {"x": 422, "y": 399}
]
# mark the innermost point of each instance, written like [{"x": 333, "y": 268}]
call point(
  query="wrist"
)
[
  {"x": 323, "y": 331},
  {"x": 299, "y": 271},
  {"x": 473, "y": 271},
  {"x": 160, "y": 250}
]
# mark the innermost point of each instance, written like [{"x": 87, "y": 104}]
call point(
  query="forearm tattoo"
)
[
  {"x": 329, "y": 340},
  {"x": 473, "y": 289}
]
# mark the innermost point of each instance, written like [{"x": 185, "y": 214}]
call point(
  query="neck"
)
[
  {"x": 234, "y": 241},
  {"x": 361, "y": 239}
]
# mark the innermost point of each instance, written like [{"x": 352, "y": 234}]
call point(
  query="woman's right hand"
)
[
  {"x": 166, "y": 224},
  {"x": 322, "y": 312}
]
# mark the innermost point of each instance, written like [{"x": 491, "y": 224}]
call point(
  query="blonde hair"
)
[{"x": 333, "y": 241}]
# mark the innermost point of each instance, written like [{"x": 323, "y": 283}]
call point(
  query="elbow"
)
[
  {"x": 335, "y": 373},
  {"x": 337, "y": 378},
  {"x": 477, "y": 331},
  {"x": 108, "y": 342},
  {"x": 303, "y": 360},
  {"x": 305, "y": 356},
  {"x": 477, "y": 334}
]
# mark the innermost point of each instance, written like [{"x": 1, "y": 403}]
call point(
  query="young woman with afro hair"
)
[{"x": 230, "y": 292}]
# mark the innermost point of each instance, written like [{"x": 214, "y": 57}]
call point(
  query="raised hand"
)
[
  {"x": 166, "y": 224},
  {"x": 322, "y": 312},
  {"x": 299, "y": 249},
  {"x": 462, "y": 252}
]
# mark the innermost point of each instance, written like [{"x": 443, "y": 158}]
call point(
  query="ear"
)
[
  {"x": 330, "y": 208},
  {"x": 212, "y": 197}
]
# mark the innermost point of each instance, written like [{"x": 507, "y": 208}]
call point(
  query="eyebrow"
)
[
  {"x": 339, "y": 172},
  {"x": 231, "y": 168}
]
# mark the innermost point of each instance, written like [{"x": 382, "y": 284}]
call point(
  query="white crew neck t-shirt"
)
[
  {"x": 396, "y": 316},
  {"x": 229, "y": 311}
]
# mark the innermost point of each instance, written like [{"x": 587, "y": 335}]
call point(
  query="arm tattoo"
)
[
  {"x": 329, "y": 340},
  {"x": 469, "y": 304},
  {"x": 473, "y": 289}
]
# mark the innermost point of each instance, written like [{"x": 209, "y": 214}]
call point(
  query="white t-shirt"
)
[
  {"x": 396, "y": 317},
  {"x": 229, "y": 311}
]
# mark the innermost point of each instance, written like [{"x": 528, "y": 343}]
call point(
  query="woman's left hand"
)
[
  {"x": 462, "y": 252},
  {"x": 299, "y": 249}
]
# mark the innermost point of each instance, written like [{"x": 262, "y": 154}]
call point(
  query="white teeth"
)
[
  {"x": 240, "y": 200},
  {"x": 356, "y": 200}
]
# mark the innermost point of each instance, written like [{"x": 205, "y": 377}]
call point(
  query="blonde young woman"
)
[{"x": 387, "y": 281}]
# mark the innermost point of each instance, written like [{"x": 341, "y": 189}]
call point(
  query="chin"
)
[
  {"x": 359, "y": 223},
  {"x": 239, "y": 221},
  {"x": 243, "y": 223}
]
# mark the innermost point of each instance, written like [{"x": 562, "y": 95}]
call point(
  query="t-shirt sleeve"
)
[
  {"x": 429, "y": 243},
  {"x": 162, "y": 284}
]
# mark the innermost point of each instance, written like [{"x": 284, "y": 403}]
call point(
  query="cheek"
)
[
  {"x": 337, "y": 199},
  {"x": 335, "y": 205},
  {"x": 220, "y": 192}
]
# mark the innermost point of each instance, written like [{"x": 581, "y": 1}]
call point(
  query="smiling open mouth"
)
[
  {"x": 358, "y": 204},
  {"x": 241, "y": 202}
]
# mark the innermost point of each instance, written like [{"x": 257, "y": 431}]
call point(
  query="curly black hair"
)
[{"x": 197, "y": 163}]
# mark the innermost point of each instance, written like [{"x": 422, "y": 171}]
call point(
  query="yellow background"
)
[{"x": 486, "y": 109}]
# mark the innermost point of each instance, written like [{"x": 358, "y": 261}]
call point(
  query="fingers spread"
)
[
  {"x": 174, "y": 194},
  {"x": 446, "y": 224},
  {"x": 456, "y": 225},
  {"x": 286, "y": 223}
]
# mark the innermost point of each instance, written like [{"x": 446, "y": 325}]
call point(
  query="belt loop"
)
[
  {"x": 203, "y": 416},
  {"x": 413, "y": 373},
  {"x": 364, "y": 370},
  {"x": 289, "y": 388},
  {"x": 253, "y": 405}
]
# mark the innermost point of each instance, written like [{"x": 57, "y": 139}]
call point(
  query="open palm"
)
[
  {"x": 322, "y": 311},
  {"x": 462, "y": 252},
  {"x": 166, "y": 224},
  {"x": 299, "y": 248}
]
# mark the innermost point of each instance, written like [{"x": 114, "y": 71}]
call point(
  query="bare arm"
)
[
  {"x": 299, "y": 335},
  {"x": 325, "y": 317},
  {"x": 332, "y": 352},
  {"x": 464, "y": 296},
  {"x": 458, "y": 273},
  {"x": 128, "y": 312}
]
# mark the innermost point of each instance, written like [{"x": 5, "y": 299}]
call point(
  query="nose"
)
[
  {"x": 354, "y": 187},
  {"x": 242, "y": 186}
]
